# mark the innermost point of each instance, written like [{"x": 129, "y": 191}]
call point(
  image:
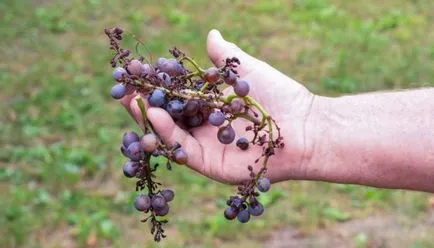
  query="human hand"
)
[{"x": 287, "y": 101}]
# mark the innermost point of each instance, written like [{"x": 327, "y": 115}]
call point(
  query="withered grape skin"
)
[
  {"x": 169, "y": 66},
  {"x": 135, "y": 67},
  {"x": 216, "y": 118},
  {"x": 263, "y": 184},
  {"x": 180, "y": 156},
  {"x": 226, "y": 134},
  {"x": 165, "y": 78},
  {"x": 241, "y": 88},
  {"x": 129, "y": 137},
  {"x": 118, "y": 91},
  {"x": 142, "y": 203}
]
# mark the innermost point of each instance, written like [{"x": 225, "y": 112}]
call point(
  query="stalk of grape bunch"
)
[{"x": 193, "y": 97}]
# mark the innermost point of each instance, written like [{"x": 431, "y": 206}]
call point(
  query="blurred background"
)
[{"x": 60, "y": 166}]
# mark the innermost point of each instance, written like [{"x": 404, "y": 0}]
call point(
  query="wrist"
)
[{"x": 319, "y": 131}]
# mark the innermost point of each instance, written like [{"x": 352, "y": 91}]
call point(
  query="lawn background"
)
[{"x": 60, "y": 168}]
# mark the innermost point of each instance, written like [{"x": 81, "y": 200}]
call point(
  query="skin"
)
[{"x": 380, "y": 139}]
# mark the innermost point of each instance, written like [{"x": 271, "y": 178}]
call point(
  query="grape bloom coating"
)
[{"x": 193, "y": 97}]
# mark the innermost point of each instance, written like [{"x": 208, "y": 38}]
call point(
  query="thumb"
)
[{"x": 219, "y": 49}]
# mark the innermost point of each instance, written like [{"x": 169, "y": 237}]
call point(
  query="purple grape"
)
[
  {"x": 146, "y": 69},
  {"x": 236, "y": 106},
  {"x": 226, "y": 134},
  {"x": 243, "y": 143},
  {"x": 263, "y": 184},
  {"x": 211, "y": 75},
  {"x": 156, "y": 98},
  {"x": 149, "y": 142},
  {"x": 194, "y": 121},
  {"x": 191, "y": 108},
  {"x": 134, "y": 151},
  {"x": 118, "y": 73},
  {"x": 231, "y": 213},
  {"x": 180, "y": 156},
  {"x": 168, "y": 194},
  {"x": 135, "y": 67},
  {"x": 142, "y": 203},
  {"x": 256, "y": 209},
  {"x": 175, "y": 108},
  {"x": 236, "y": 202},
  {"x": 118, "y": 91},
  {"x": 158, "y": 202},
  {"x": 216, "y": 118},
  {"x": 162, "y": 211},
  {"x": 170, "y": 66},
  {"x": 165, "y": 78},
  {"x": 243, "y": 216},
  {"x": 229, "y": 77},
  {"x": 130, "y": 169},
  {"x": 241, "y": 88},
  {"x": 129, "y": 137},
  {"x": 123, "y": 150}
]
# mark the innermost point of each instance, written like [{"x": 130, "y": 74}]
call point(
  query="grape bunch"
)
[{"x": 193, "y": 97}]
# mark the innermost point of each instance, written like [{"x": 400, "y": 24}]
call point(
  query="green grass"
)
[{"x": 60, "y": 168}]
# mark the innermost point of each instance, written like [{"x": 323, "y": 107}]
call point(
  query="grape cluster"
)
[{"x": 192, "y": 96}]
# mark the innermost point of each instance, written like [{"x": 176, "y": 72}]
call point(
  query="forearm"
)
[{"x": 379, "y": 139}]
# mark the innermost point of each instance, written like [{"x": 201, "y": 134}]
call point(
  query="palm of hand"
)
[{"x": 284, "y": 99}]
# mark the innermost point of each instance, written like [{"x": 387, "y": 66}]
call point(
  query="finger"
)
[
  {"x": 219, "y": 49},
  {"x": 171, "y": 133}
]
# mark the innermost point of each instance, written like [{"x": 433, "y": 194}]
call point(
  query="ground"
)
[{"x": 60, "y": 168}]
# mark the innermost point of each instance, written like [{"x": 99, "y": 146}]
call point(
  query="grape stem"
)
[{"x": 193, "y": 63}]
